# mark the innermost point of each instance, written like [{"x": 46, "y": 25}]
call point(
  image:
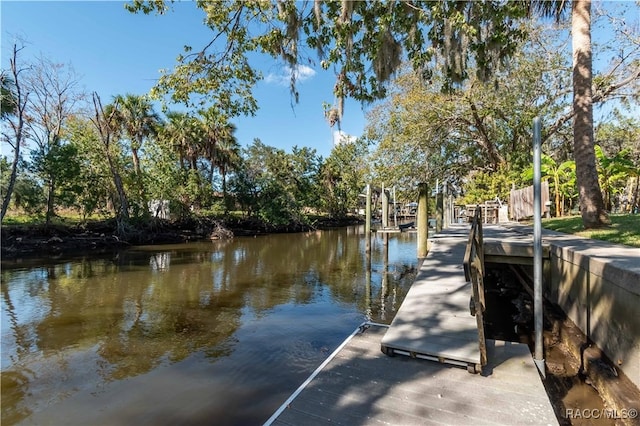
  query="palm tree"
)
[
  {"x": 138, "y": 120},
  {"x": 591, "y": 201},
  {"x": 560, "y": 174},
  {"x": 220, "y": 145},
  {"x": 228, "y": 157},
  {"x": 212, "y": 131},
  {"x": 182, "y": 133}
]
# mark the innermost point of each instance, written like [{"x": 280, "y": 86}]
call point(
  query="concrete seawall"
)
[{"x": 597, "y": 285}]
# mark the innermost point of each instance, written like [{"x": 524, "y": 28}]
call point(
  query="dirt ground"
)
[{"x": 581, "y": 394}]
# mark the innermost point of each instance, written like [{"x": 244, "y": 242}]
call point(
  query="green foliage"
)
[
  {"x": 562, "y": 179},
  {"x": 424, "y": 135},
  {"x": 68, "y": 187},
  {"x": 276, "y": 186},
  {"x": 27, "y": 194},
  {"x": 486, "y": 186},
  {"x": 363, "y": 41},
  {"x": 343, "y": 177},
  {"x": 620, "y": 133},
  {"x": 8, "y": 104},
  {"x": 612, "y": 173},
  {"x": 93, "y": 184},
  {"x": 5, "y": 170}
]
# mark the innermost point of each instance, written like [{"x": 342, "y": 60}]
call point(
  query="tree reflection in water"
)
[{"x": 207, "y": 332}]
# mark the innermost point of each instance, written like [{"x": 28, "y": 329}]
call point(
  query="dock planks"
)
[
  {"x": 362, "y": 386},
  {"x": 434, "y": 318}
]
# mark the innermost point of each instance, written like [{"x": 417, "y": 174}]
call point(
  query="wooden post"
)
[
  {"x": 446, "y": 215},
  {"x": 385, "y": 208},
  {"x": 422, "y": 222},
  {"x": 367, "y": 284},
  {"x": 439, "y": 211},
  {"x": 367, "y": 225}
]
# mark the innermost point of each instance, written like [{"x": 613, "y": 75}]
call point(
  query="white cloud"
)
[
  {"x": 340, "y": 137},
  {"x": 302, "y": 73}
]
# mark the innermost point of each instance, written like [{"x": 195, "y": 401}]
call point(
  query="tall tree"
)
[
  {"x": 94, "y": 182},
  {"x": 227, "y": 158},
  {"x": 184, "y": 132},
  {"x": 364, "y": 43},
  {"x": 14, "y": 106},
  {"x": 217, "y": 131},
  {"x": 138, "y": 120},
  {"x": 176, "y": 132},
  {"x": 187, "y": 136},
  {"x": 104, "y": 120},
  {"x": 592, "y": 205},
  {"x": 342, "y": 177},
  {"x": 53, "y": 98}
]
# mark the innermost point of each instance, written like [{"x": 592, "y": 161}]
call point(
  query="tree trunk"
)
[
  {"x": 14, "y": 172},
  {"x": 211, "y": 170},
  {"x": 136, "y": 161},
  {"x": 123, "y": 212},
  {"x": 20, "y": 106},
  {"x": 104, "y": 127},
  {"x": 634, "y": 200},
  {"x": 557, "y": 193},
  {"x": 50, "y": 201},
  {"x": 591, "y": 203},
  {"x": 485, "y": 142},
  {"x": 223, "y": 171}
]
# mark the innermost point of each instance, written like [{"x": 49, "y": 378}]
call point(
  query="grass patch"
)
[
  {"x": 624, "y": 229},
  {"x": 63, "y": 218}
]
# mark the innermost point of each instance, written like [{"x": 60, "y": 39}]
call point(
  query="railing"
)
[{"x": 474, "y": 273}]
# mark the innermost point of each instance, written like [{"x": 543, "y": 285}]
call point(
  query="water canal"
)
[{"x": 201, "y": 333}]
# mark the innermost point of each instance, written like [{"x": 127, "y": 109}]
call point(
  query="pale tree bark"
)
[
  {"x": 105, "y": 126},
  {"x": 591, "y": 202},
  {"x": 16, "y": 123}
]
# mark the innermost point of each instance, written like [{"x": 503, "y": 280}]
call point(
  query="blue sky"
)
[{"x": 117, "y": 52}]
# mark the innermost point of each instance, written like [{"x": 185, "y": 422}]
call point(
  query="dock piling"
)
[{"x": 422, "y": 222}]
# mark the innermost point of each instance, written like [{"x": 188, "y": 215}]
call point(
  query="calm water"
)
[{"x": 203, "y": 333}]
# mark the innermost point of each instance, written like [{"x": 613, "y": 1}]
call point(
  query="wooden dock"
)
[
  {"x": 359, "y": 385},
  {"x": 434, "y": 320}
]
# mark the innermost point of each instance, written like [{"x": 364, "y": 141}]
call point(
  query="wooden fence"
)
[{"x": 521, "y": 201}]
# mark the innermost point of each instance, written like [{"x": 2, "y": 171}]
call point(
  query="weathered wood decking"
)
[
  {"x": 434, "y": 319},
  {"x": 362, "y": 386}
]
